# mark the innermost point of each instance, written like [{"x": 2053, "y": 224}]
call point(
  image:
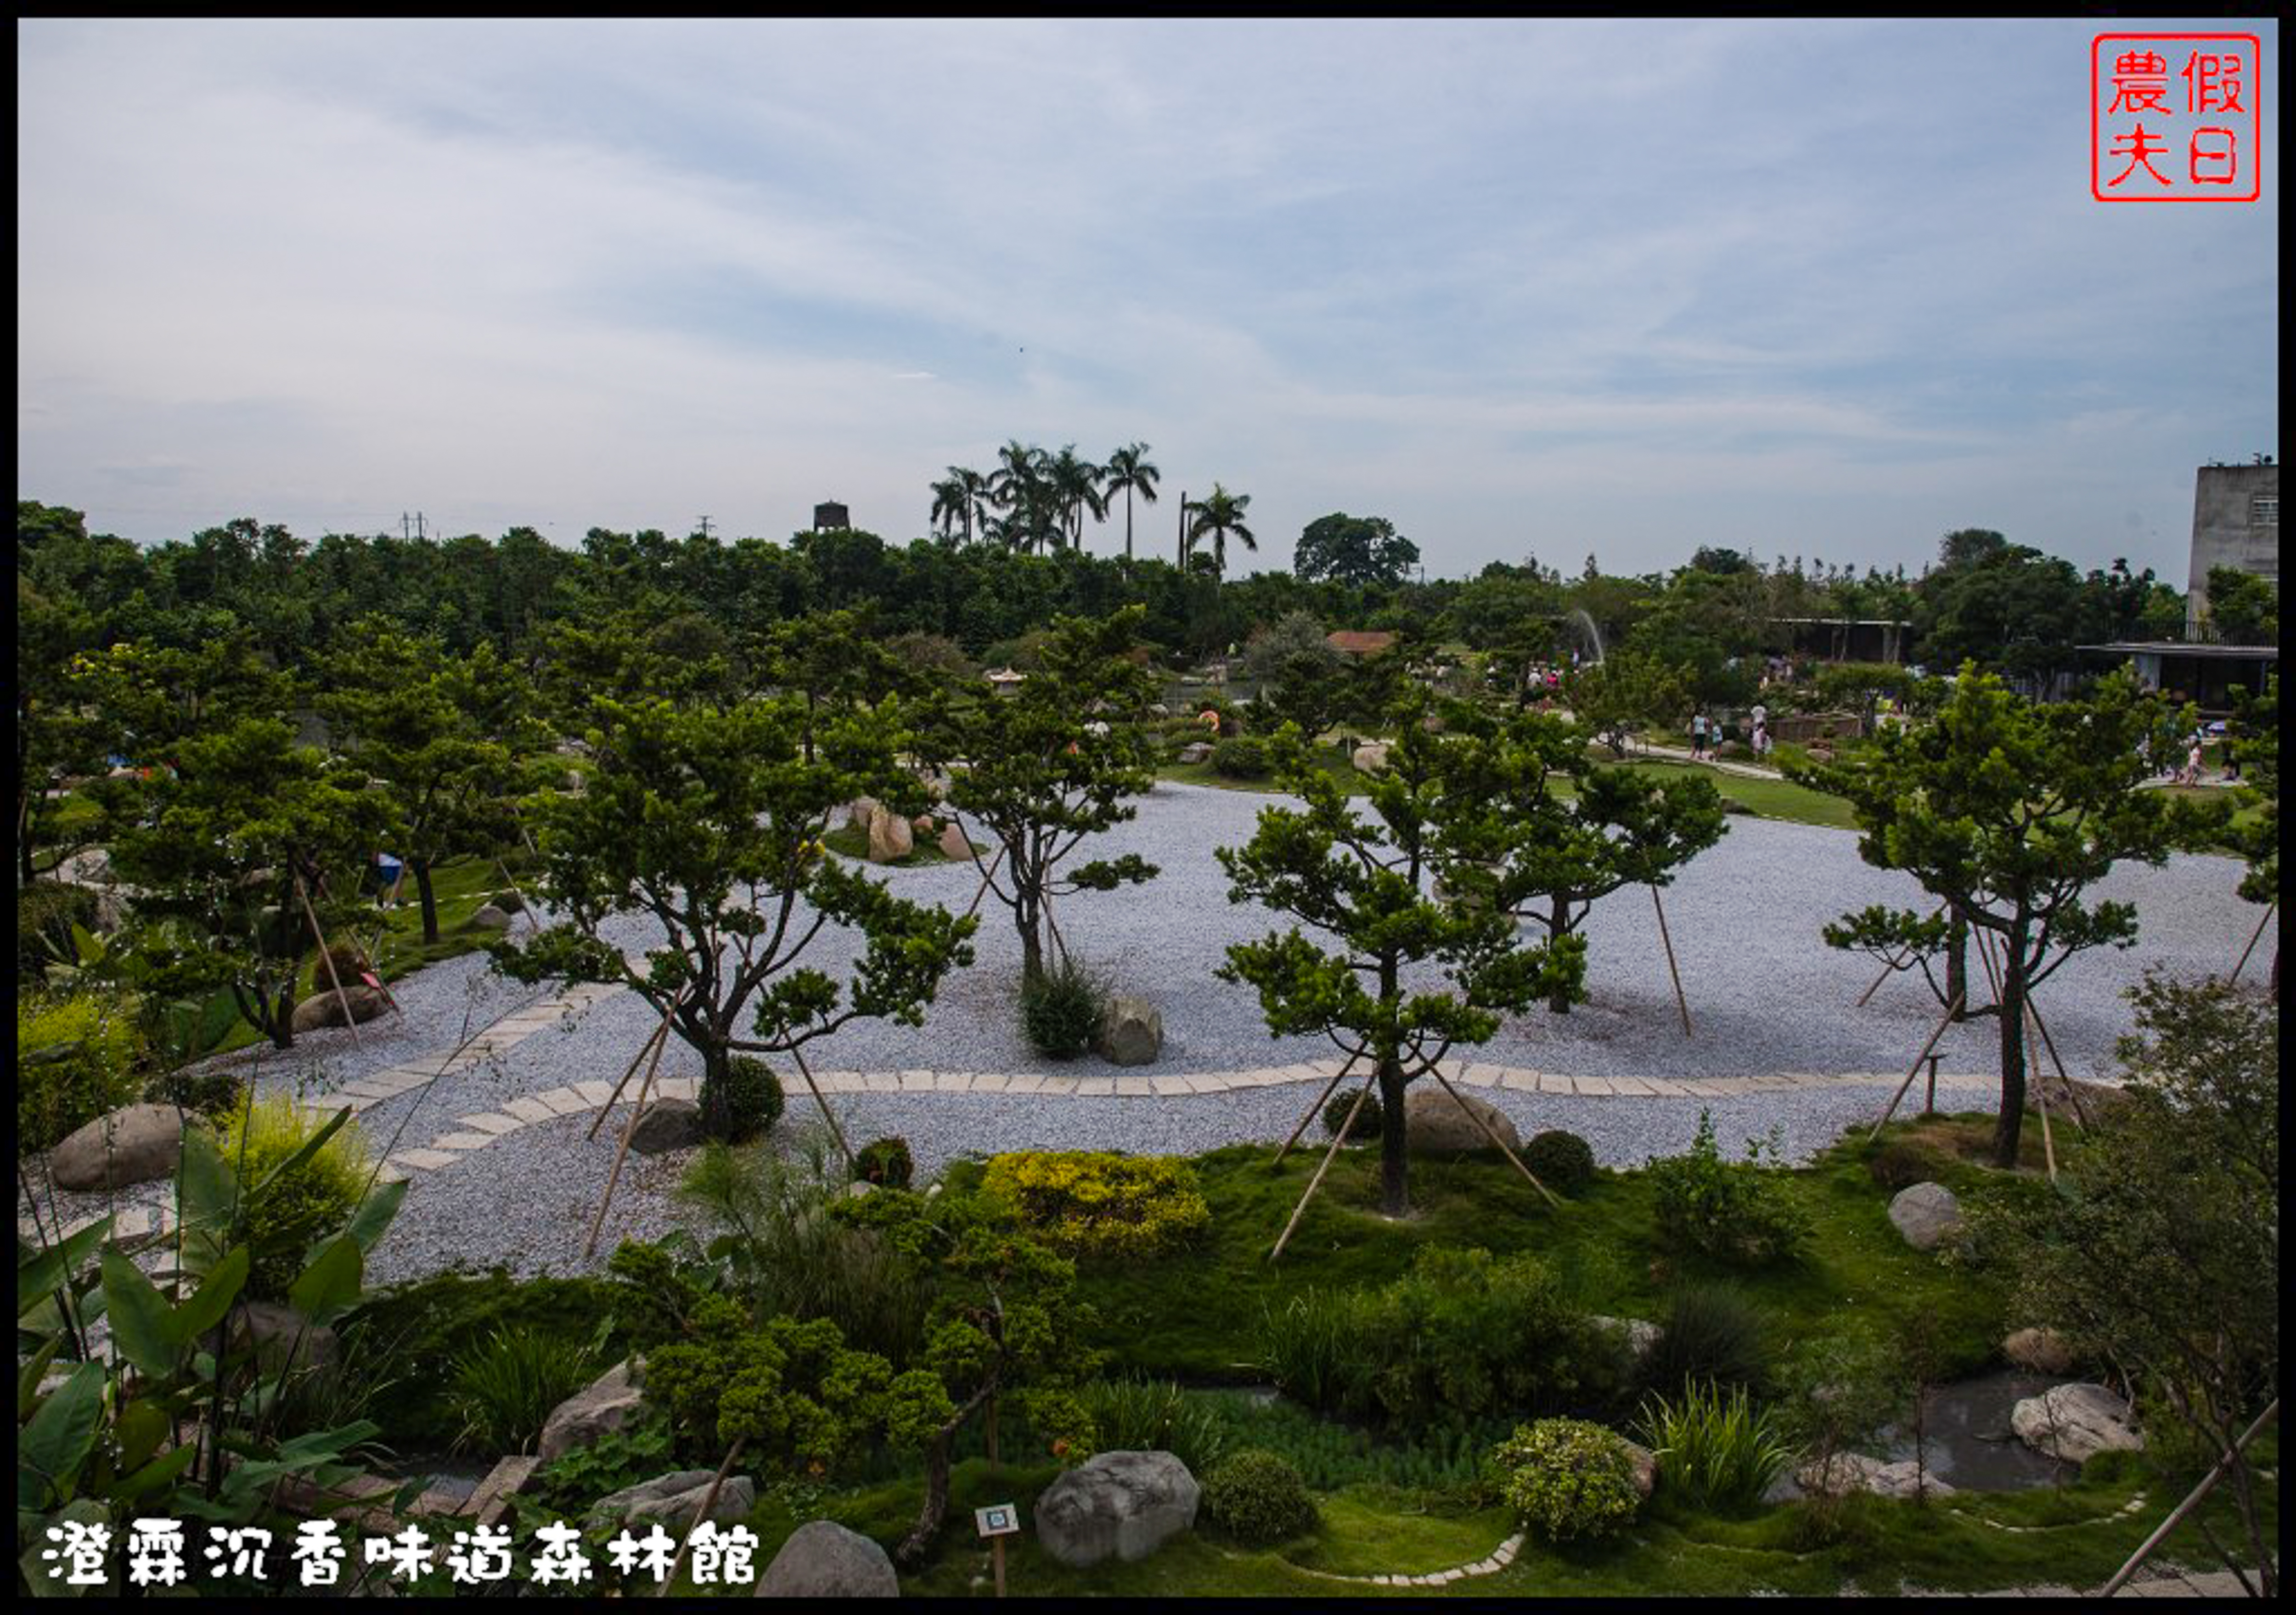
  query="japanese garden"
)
[{"x": 1031, "y": 1060}]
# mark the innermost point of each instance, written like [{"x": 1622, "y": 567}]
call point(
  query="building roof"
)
[
  {"x": 2178, "y": 648},
  {"x": 1359, "y": 641}
]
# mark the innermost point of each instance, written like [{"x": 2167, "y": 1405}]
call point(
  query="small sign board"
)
[{"x": 997, "y": 1520}]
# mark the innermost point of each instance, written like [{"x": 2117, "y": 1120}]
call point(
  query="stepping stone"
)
[
  {"x": 1520, "y": 1081},
  {"x": 594, "y": 1093},
  {"x": 916, "y": 1082},
  {"x": 1209, "y": 1083},
  {"x": 530, "y": 1110},
  {"x": 425, "y": 1160},
  {"x": 953, "y": 1082},
  {"x": 461, "y": 1140},
  {"x": 1163, "y": 1084},
  {"x": 882, "y": 1082},
  {"x": 1550, "y": 1082},
  {"x": 133, "y": 1221},
  {"x": 389, "y": 1172},
  {"x": 1063, "y": 1086},
  {"x": 1483, "y": 1076},
  {"x": 1024, "y": 1082},
  {"x": 1327, "y": 1068},
  {"x": 1593, "y": 1084},
  {"x": 838, "y": 1082},
  {"x": 563, "y": 1101},
  {"x": 1102, "y": 1086},
  {"x": 989, "y": 1084},
  {"x": 1133, "y": 1087},
  {"x": 1633, "y": 1085},
  {"x": 1663, "y": 1087},
  {"x": 368, "y": 1088},
  {"x": 679, "y": 1087},
  {"x": 1766, "y": 1084}
]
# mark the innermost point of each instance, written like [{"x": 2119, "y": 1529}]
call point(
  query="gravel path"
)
[{"x": 1766, "y": 997}]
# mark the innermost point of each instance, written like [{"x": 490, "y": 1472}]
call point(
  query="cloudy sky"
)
[{"x": 1522, "y": 287}]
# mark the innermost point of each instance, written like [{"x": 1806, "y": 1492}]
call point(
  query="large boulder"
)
[
  {"x": 2042, "y": 1351},
  {"x": 1927, "y": 1214},
  {"x": 282, "y": 1337},
  {"x": 860, "y": 813},
  {"x": 1196, "y": 751},
  {"x": 676, "y": 1501},
  {"x": 2075, "y": 1422},
  {"x": 953, "y": 842},
  {"x": 823, "y": 1559},
  {"x": 136, "y": 1145},
  {"x": 1437, "y": 1123},
  {"x": 1370, "y": 757},
  {"x": 1646, "y": 1468},
  {"x": 890, "y": 838},
  {"x": 1846, "y": 1472},
  {"x": 668, "y": 1124},
  {"x": 323, "y": 1009},
  {"x": 491, "y": 917},
  {"x": 1637, "y": 1337},
  {"x": 1120, "y": 1505},
  {"x": 607, "y": 1404},
  {"x": 1131, "y": 1031}
]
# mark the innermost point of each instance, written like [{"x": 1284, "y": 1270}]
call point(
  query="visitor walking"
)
[
  {"x": 1698, "y": 735},
  {"x": 1761, "y": 739}
]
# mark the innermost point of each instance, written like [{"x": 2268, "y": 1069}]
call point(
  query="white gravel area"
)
[{"x": 1766, "y": 996}]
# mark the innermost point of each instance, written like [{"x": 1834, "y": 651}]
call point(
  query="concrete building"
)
[
  {"x": 2206, "y": 675},
  {"x": 2235, "y": 523}
]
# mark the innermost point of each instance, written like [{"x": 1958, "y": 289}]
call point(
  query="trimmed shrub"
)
[
  {"x": 753, "y": 1094},
  {"x": 1061, "y": 1008},
  {"x": 1740, "y": 1212},
  {"x": 1257, "y": 1498},
  {"x": 1371, "y": 1121},
  {"x": 503, "y": 1390},
  {"x": 1245, "y": 757},
  {"x": 1709, "y": 1334},
  {"x": 885, "y": 1162},
  {"x": 214, "y": 1094},
  {"x": 1567, "y": 1479},
  {"x": 283, "y": 1218},
  {"x": 76, "y": 1060},
  {"x": 1563, "y": 1161},
  {"x": 1099, "y": 1203}
]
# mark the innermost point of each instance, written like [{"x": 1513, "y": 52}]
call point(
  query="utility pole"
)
[{"x": 705, "y": 526}]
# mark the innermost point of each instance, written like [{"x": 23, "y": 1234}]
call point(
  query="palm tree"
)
[
  {"x": 1076, "y": 488},
  {"x": 1018, "y": 488},
  {"x": 1127, "y": 469},
  {"x": 951, "y": 505},
  {"x": 975, "y": 498},
  {"x": 1219, "y": 517}
]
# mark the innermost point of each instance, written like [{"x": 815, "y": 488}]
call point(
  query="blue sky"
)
[{"x": 1522, "y": 287}]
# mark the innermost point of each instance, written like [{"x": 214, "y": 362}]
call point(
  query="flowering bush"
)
[
  {"x": 1100, "y": 1203},
  {"x": 1568, "y": 1478}
]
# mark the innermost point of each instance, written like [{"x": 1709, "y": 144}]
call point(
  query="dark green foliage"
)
[
  {"x": 209, "y": 1093},
  {"x": 46, "y": 914},
  {"x": 753, "y": 1093},
  {"x": 1738, "y": 1211},
  {"x": 1900, "y": 1164},
  {"x": 1258, "y": 1498},
  {"x": 76, "y": 1060},
  {"x": 885, "y": 1162},
  {"x": 1563, "y": 1161},
  {"x": 566, "y": 1487},
  {"x": 1716, "y": 1449},
  {"x": 505, "y": 1388},
  {"x": 1132, "y": 1413},
  {"x": 1245, "y": 757},
  {"x": 1708, "y": 1334},
  {"x": 1370, "y": 1122},
  {"x": 1462, "y": 1336},
  {"x": 1061, "y": 1008}
]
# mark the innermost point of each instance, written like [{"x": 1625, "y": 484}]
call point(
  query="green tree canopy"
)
[{"x": 1353, "y": 549}]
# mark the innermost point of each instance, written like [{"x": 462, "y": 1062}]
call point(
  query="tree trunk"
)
[
  {"x": 715, "y": 1098},
  {"x": 2012, "y": 1122},
  {"x": 430, "y": 899},
  {"x": 913, "y": 1546},
  {"x": 1957, "y": 968},
  {"x": 1558, "y": 928},
  {"x": 1394, "y": 1165},
  {"x": 283, "y": 1019}
]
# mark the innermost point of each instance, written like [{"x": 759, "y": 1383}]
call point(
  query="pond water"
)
[{"x": 1970, "y": 1444}]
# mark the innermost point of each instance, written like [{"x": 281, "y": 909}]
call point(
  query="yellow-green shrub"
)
[
  {"x": 281, "y": 1220},
  {"x": 1099, "y": 1203},
  {"x": 97, "y": 1049}
]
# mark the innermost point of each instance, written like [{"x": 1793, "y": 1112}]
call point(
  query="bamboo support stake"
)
[
  {"x": 1680, "y": 1003},
  {"x": 827, "y": 1114},
  {"x": 988, "y": 877},
  {"x": 615, "y": 1097},
  {"x": 2193, "y": 1501},
  {"x": 2255, "y": 937},
  {"x": 1337, "y": 1077},
  {"x": 342, "y": 998},
  {"x": 709, "y": 1504},
  {"x": 1339, "y": 1138},
  {"x": 1491, "y": 1132},
  {"x": 2072, "y": 1095},
  {"x": 590, "y": 1246},
  {"x": 1914, "y": 1070}
]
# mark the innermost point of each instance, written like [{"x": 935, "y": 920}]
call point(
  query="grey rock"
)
[
  {"x": 607, "y": 1404},
  {"x": 822, "y": 1559},
  {"x": 668, "y": 1124},
  {"x": 676, "y": 1501},
  {"x": 2044, "y": 1351},
  {"x": 1370, "y": 757},
  {"x": 1645, "y": 1462},
  {"x": 1435, "y": 1123},
  {"x": 1131, "y": 1031},
  {"x": 1927, "y": 1214},
  {"x": 1116, "y": 1506},
  {"x": 1196, "y": 751},
  {"x": 492, "y": 917},
  {"x": 953, "y": 842},
  {"x": 890, "y": 838},
  {"x": 135, "y": 1144},
  {"x": 2075, "y": 1422},
  {"x": 322, "y": 1009},
  {"x": 1846, "y": 1472},
  {"x": 282, "y": 1337},
  {"x": 1637, "y": 1337}
]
